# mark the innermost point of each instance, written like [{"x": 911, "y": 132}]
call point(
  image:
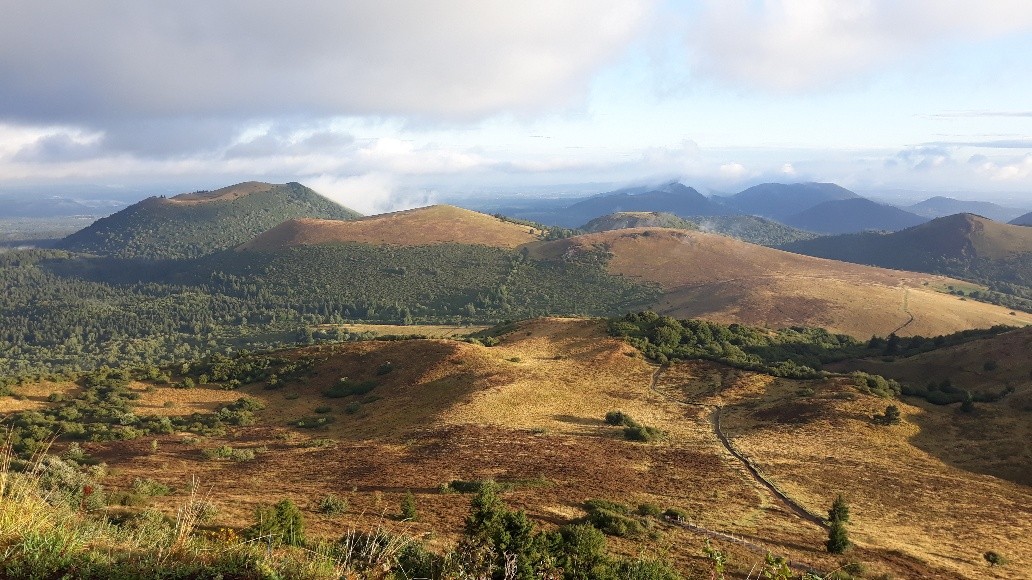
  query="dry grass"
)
[
  {"x": 901, "y": 497},
  {"x": 32, "y": 396},
  {"x": 437, "y": 224},
  {"x": 225, "y": 194},
  {"x": 529, "y": 411},
  {"x": 719, "y": 278}
]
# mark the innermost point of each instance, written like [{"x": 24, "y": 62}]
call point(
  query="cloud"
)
[
  {"x": 370, "y": 193},
  {"x": 69, "y": 61},
  {"x": 923, "y": 158},
  {"x": 791, "y": 45},
  {"x": 1017, "y": 169}
]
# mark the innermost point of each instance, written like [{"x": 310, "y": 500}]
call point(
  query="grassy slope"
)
[
  {"x": 415, "y": 227},
  {"x": 714, "y": 277},
  {"x": 529, "y": 410}
]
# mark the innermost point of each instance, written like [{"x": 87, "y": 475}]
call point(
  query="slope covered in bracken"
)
[
  {"x": 718, "y": 278},
  {"x": 528, "y": 412},
  {"x": 438, "y": 224}
]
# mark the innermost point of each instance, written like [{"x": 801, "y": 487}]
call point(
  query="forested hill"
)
[{"x": 200, "y": 223}]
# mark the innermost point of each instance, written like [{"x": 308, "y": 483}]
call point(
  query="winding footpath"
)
[{"x": 750, "y": 467}]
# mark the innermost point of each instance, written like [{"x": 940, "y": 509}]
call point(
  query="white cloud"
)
[
  {"x": 1013, "y": 170},
  {"x": 789, "y": 45},
  {"x": 371, "y": 193}
]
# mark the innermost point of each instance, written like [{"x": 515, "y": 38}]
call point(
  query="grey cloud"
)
[
  {"x": 989, "y": 144},
  {"x": 283, "y": 142},
  {"x": 94, "y": 62},
  {"x": 57, "y": 148}
]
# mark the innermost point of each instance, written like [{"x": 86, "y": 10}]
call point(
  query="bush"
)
[
  {"x": 408, "y": 507},
  {"x": 616, "y": 418},
  {"x": 333, "y": 505},
  {"x": 650, "y": 510},
  {"x": 642, "y": 433},
  {"x": 278, "y": 524}
]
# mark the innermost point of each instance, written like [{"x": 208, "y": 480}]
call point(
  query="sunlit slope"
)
[
  {"x": 436, "y": 224},
  {"x": 529, "y": 411},
  {"x": 714, "y": 277}
]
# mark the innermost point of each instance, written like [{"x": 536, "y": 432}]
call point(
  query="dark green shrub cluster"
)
[
  {"x": 795, "y": 352},
  {"x": 612, "y": 519},
  {"x": 876, "y": 385},
  {"x": 945, "y": 393},
  {"x": 633, "y": 430}
]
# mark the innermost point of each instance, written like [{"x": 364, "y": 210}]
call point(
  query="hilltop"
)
[
  {"x": 781, "y": 200},
  {"x": 963, "y": 245},
  {"x": 752, "y": 229},
  {"x": 675, "y": 198},
  {"x": 200, "y": 223},
  {"x": 366, "y": 422},
  {"x": 852, "y": 215},
  {"x": 719, "y": 278},
  {"x": 438, "y": 224},
  {"x": 940, "y": 206}
]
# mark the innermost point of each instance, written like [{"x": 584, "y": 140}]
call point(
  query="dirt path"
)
[
  {"x": 906, "y": 310},
  {"x": 750, "y": 467}
]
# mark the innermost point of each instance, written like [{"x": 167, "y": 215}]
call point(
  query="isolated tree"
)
[
  {"x": 891, "y": 416},
  {"x": 838, "y": 516},
  {"x": 408, "y": 507}
]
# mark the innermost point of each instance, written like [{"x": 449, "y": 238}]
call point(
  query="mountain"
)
[
  {"x": 852, "y": 215},
  {"x": 436, "y": 224},
  {"x": 964, "y": 246},
  {"x": 1025, "y": 220},
  {"x": 674, "y": 198},
  {"x": 199, "y": 223},
  {"x": 940, "y": 206},
  {"x": 719, "y": 278},
  {"x": 781, "y": 200},
  {"x": 752, "y": 229}
]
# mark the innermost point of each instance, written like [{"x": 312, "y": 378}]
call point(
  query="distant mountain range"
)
[
  {"x": 823, "y": 208},
  {"x": 854, "y": 214},
  {"x": 51, "y": 206},
  {"x": 779, "y": 201},
  {"x": 940, "y": 206},
  {"x": 195, "y": 224},
  {"x": 1024, "y": 220}
]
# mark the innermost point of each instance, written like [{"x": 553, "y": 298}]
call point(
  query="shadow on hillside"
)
[{"x": 989, "y": 441}]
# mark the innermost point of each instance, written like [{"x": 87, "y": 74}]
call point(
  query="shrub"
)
[
  {"x": 333, "y": 505},
  {"x": 277, "y": 524},
  {"x": 642, "y": 433},
  {"x": 649, "y": 510},
  {"x": 675, "y": 514},
  {"x": 994, "y": 558},
  {"x": 312, "y": 422},
  {"x": 616, "y": 418},
  {"x": 408, "y": 507},
  {"x": 322, "y": 410},
  {"x": 150, "y": 488}
]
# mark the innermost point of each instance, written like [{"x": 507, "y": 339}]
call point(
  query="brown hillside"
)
[
  {"x": 529, "y": 412},
  {"x": 437, "y": 224},
  {"x": 225, "y": 194},
  {"x": 719, "y": 278},
  {"x": 994, "y": 439}
]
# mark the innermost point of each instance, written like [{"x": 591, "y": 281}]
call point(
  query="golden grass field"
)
[
  {"x": 436, "y": 224},
  {"x": 529, "y": 411}
]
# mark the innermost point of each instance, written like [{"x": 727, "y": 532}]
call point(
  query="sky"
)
[{"x": 386, "y": 104}]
